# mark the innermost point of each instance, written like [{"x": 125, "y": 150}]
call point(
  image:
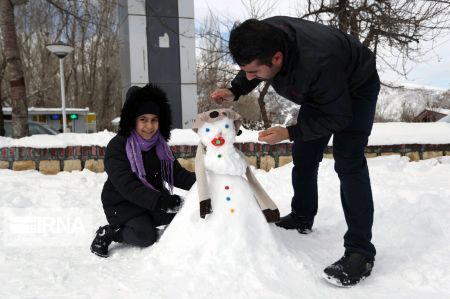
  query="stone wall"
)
[
  {"x": 53, "y": 160},
  {"x": 264, "y": 156}
]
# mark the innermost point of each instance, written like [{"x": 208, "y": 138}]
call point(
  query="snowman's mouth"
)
[{"x": 218, "y": 141}]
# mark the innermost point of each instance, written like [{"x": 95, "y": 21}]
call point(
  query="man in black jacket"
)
[{"x": 334, "y": 79}]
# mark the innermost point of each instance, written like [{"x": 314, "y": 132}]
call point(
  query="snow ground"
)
[{"x": 48, "y": 223}]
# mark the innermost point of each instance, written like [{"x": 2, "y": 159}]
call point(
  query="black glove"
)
[{"x": 169, "y": 203}]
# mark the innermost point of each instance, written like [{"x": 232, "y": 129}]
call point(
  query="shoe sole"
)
[
  {"x": 98, "y": 254},
  {"x": 299, "y": 230},
  {"x": 336, "y": 282},
  {"x": 304, "y": 231}
]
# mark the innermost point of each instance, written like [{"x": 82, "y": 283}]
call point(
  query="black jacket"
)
[
  {"x": 124, "y": 196},
  {"x": 323, "y": 69}
]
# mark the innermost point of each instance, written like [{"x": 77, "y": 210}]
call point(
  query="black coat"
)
[
  {"x": 124, "y": 196},
  {"x": 323, "y": 69}
]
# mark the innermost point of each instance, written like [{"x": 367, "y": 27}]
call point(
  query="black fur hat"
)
[{"x": 136, "y": 98}]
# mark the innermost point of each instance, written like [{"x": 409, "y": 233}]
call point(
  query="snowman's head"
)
[{"x": 218, "y": 128}]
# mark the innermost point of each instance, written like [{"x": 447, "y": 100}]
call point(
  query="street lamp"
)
[{"x": 61, "y": 50}]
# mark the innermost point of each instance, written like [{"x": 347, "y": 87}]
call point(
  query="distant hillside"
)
[
  {"x": 397, "y": 103},
  {"x": 400, "y": 103}
]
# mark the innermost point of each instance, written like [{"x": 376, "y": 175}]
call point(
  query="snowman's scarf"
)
[{"x": 202, "y": 182}]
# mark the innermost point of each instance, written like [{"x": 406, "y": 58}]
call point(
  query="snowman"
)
[
  {"x": 226, "y": 192},
  {"x": 231, "y": 242},
  {"x": 233, "y": 209}
]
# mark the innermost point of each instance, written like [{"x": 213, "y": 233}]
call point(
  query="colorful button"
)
[
  {"x": 219, "y": 156},
  {"x": 228, "y": 198},
  {"x": 232, "y": 210},
  {"x": 227, "y": 188}
]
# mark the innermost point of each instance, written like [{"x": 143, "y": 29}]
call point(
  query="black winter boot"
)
[
  {"x": 293, "y": 221},
  {"x": 352, "y": 268},
  {"x": 103, "y": 238}
]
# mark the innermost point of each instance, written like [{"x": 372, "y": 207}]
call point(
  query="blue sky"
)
[{"x": 433, "y": 71}]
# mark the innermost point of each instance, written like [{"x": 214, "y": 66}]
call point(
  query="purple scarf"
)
[{"x": 136, "y": 144}]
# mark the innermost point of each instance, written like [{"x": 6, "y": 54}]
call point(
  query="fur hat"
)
[{"x": 142, "y": 100}]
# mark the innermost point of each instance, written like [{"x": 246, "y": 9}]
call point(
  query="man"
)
[{"x": 334, "y": 79}]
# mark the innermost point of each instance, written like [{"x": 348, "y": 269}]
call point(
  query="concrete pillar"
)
[{"x": 158, "y": 46}]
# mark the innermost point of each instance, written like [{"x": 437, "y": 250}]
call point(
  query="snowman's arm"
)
[{"x": 268, "y": 207}]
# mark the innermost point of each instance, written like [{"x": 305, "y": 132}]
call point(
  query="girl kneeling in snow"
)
[{"x": 139, "y": 162}]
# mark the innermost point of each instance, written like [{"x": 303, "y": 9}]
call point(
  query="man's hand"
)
[
  {"x": 223, "y": 94},
  {"x": 273, "y": 135}
]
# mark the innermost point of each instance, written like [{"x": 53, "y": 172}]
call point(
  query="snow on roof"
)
[
  {"x": 50, "y": 110},
  {"x": 415, "y": 86},
  {"x": 445, "y": 119},
  {"x": 115, "y": 121}
]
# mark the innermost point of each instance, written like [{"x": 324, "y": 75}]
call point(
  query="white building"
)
[{"x": 79, "y": 120}]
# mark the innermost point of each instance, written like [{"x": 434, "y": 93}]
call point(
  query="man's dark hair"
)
[
  {"x": 136, "y": 96},
  {"x": 255, "y": 39}
]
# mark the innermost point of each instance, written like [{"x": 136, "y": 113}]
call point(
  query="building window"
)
[{"x": 40, "y": 118}]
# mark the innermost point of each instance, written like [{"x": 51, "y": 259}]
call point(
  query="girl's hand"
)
[{"x": 169, "y": 203}]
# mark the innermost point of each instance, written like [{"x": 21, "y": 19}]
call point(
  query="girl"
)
[{"x": 137, "y": 196}]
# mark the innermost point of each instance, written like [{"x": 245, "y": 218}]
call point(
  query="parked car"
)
[{"x": 34, "y": 128}]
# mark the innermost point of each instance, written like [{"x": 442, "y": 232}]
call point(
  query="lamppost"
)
[{"x": 61, "y": 50}]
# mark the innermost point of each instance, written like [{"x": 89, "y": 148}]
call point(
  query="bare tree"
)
[
  {"x": 92, "y": 78},
  {"x": 14, "y": 67},
  {"x": 262, "y": 106},
  {"x": 216, "y": 68},
  {"x": 398, "y": 28},
  {"x": 2, "y": 74},
  {"x": 407, "y": 113},
  {"x": 259, "y": 9},
  {"x": 443, "y": 100}
]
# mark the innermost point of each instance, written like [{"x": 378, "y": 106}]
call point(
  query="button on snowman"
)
[{"x": 224, "y": 191}]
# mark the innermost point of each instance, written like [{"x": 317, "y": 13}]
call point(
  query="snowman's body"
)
[
  {"x": 234, "y": 246},
  {"x": 231, "y": 195},
  {"x": 236, "y": 219},
  {"x": 217, "y": 132},
  {"x": 232, "y": 199}
]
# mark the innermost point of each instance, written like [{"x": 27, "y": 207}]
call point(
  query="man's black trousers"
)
[{"x": 352, "y": 170}]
